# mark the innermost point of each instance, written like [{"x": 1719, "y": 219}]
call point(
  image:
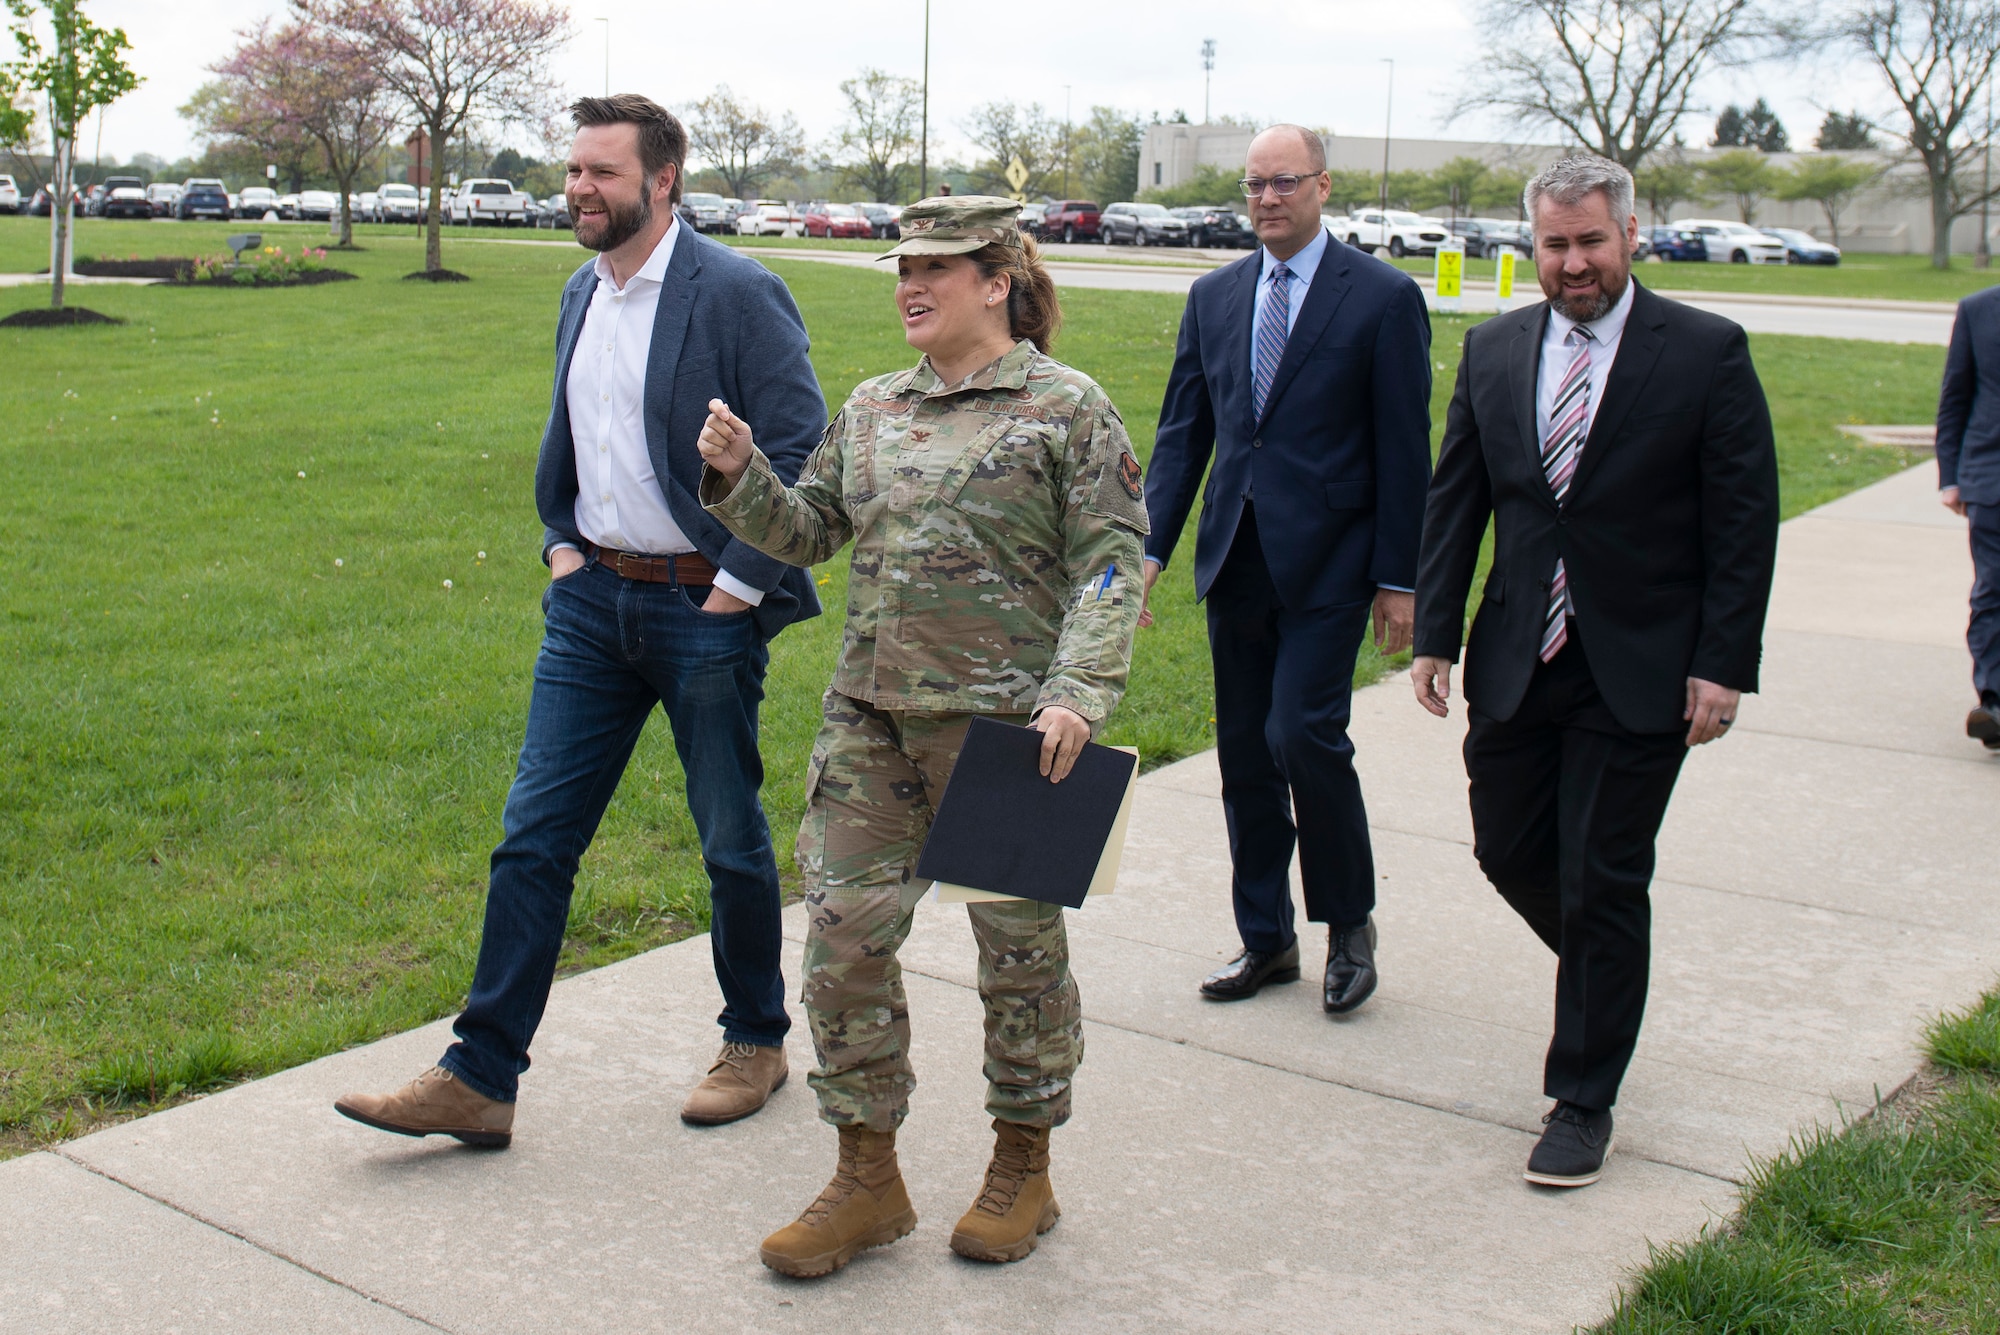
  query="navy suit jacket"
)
[
  {"x": 1340, "y": 459},
  {"x": 1968, "y": 416},
  {"x": 727, "y": 329}
]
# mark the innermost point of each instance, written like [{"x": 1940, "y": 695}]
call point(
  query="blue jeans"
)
[{"x": 612, "y": 649}]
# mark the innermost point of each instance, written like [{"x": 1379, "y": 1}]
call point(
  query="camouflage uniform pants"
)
[{"x": 875, "y": 774}]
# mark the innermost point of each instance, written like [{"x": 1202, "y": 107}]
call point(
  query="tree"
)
[
  {"x": 232, "y": 127},
  {"x": 875, "y": 143},
  {"x": 741, "y": 143},
  {"x": 1838, "y": 132},
  {"x": 1666, "y": 181},
  {"x": 316, "y": 82},
  {"x": 1829, "y": 181},
  {"x": 1353, "y": 187},
  {"x": 1935, "y": 56},
  {"x": 1462, "y": 184},
  {"x": 82, "y": 70},
  {"x": 1758, "y": 128},
  {"x": 1207, "y": 185},
  {"x": 1002, "y": 131},
  {"x": 1612, "y": 75},
  {"x": 1744, "y": 175},
  {"x": 451, "y": 61},
  {"x": 1103, "y": 157}
]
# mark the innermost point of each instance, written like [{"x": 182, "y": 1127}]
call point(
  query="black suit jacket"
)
[
  {"x": 1341, "y": 456},
  {"x": 1968, "y": 416},
  {"x": 726, "y": 329},
  {"x": 1668, "y": 535}
]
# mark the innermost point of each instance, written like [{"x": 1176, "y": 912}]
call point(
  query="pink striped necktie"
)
[{"x": 1569, "y": 424}]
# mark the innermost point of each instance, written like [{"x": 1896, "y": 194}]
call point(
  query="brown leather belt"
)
[{"x": 687, "y": 568}]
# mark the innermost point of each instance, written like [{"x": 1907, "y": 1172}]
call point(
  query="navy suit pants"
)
[
  {"x": 1982, "y": 636},
  {"x": 1284, "y": 687}
]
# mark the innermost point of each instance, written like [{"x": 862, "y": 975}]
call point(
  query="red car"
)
[
  {"x": 1069, "y": 220},
  {"x": 838, "y": 220}
]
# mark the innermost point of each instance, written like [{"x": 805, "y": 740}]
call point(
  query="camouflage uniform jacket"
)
[{"x": 985, "y": 516}]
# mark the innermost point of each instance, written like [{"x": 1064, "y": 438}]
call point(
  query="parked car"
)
[
  {"x": 766, "y": 219},
  {"x": 39, "y": 206},
  {"x": 1132, "y": 224},
  {"x": 124, "y": 197},
  {"x": 555, "y": 212},
  {"x": 1403, "y": 233},
  {"x": 203, "y": 197},
  {"x": 396, "y": 202},
  {"x": 1483, "y": 236},
  {"x": 163, "y": 195},
  {"x": 1675, "y": 245},
  {"x": 886, "y": 220},
  {"x": 1735, "y": 242},
  {"x": 255, "y": 201},
  {"x": 1804, "y": 247},
  {"x": 10, "y": 195},
  {"x": 318, "y": 205},
  {"x": 837, "y": 220},
  {"x": 1029, "y": 219},
  {"x": 1213, "y": 226},
  {"x": 706, "y": 212},
  {"x": 93, "y": 200},
  {"x": 487, "y": 200},
  {"x": 1071, "y": 220}
]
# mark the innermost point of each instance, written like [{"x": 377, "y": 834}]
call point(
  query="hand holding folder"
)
[{"x": 1003, "y": 831}]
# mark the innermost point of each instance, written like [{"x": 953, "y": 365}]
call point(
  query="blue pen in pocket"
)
[{"x": 1105, "y": 586}]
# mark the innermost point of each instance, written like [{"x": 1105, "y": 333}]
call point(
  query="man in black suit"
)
[
  {"x": 1621, "y": 445},
  {"x": 1968, "y": 455},
  {"x": 1304, "y": 371}
]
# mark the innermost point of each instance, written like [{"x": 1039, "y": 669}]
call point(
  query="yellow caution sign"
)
[
  {"x": 1017, "y": 176},
  {"x": 1448, "y": 276},
  {"x": 1503, "y": 275}
]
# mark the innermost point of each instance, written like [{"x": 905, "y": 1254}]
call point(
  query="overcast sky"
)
[{"x": 1321, "y": 63}]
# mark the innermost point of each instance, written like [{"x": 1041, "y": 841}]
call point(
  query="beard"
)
[
  {"x": 1585, "y": 310},
  {"x": 621, "y": 223}
]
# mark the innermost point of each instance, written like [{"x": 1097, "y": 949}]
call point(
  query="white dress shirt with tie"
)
[
  {"x": 1605, "y": 332},
  {"x": 619, "y": 500}
]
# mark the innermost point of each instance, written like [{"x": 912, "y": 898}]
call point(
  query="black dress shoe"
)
[
  {"x": 1572, "y": 1151},
  {"x": 1350, "y": 967},
  {"x": 1251, "y": 970},
  {"x": 1983, "y": 725}
]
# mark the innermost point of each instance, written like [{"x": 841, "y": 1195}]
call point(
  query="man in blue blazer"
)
[
  {"x": 1968, "y": 455},
  {"x": 1301, "y": 387},
  {"x": 650, "y": 603}
]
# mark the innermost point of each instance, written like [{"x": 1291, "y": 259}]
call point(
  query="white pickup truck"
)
[
  {"x": 1403, "y": 233},
  {"x": 489, "y": 200}
]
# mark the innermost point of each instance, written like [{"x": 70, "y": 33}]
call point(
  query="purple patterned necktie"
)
[
  {"x": 1569, "y": 424},
  {"x": 1272, "y": 329}
]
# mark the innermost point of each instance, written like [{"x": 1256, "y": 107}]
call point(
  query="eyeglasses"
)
[{"x": 1253, "y": 186}]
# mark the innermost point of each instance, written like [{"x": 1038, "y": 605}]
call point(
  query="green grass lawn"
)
[
  {"x": 257, "y": 750},
  {"x": 1893, "y": 1226}
]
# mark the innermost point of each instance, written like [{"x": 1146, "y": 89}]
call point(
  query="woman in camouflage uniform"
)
[{"x": 989, "y": 493}]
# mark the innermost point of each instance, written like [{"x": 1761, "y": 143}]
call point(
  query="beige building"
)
[{"x": 1890, "y": 217}]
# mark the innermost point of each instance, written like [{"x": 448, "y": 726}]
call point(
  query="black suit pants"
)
[
  {"x": 1284, "y": 687},
  {"x": 1566, "y": 805}
]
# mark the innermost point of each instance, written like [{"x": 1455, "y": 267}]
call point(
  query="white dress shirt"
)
[
  {"x": 619, "y": 499},
  {"x": 1606, "y": 331}
]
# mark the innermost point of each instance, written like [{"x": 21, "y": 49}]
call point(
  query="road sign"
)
[
  {"x": 1017, "y": 176},
  {"x": 1449, "y": 275},
  {"x": 1503, "y": 277}
]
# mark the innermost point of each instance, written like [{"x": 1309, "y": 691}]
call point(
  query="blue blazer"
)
[
  {"x": 1968, "y": 415},
  {"x": 727, "y": 329},
  {"x": 1339, "y": 462}
]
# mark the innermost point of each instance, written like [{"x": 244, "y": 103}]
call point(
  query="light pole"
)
[
  {"x": 1207, "y": 75},
  {"x": 1066, "y": 140},
  {"x": 924, "y": 153},
  {"x": 1388, "y": 108},
  {"x": 607, "y": 55}
]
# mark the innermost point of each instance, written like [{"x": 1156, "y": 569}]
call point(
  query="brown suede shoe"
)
[
  {"x": 865, "y": 1205},
  {"x": 436, "y": 1103},
  {"x": 742, "y": 1080},
  {"x": 1016, "y": 1205}
]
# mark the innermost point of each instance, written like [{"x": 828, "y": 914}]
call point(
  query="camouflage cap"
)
[{"x": 957, "y": 225}]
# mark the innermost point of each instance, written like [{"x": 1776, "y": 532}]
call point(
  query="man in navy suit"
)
[
  {"x": 650, "y": 603},
  {"x": 1968, "y": 455},
  {"x": 1303, "y": 373}
]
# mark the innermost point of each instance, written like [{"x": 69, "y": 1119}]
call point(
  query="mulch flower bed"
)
[
  {"x": 41, "y": 317},
  {"x": 306, "y": 278},
  {"x": 437, "y": 276}
]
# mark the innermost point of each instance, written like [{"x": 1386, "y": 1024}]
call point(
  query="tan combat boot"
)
[
  {"x": 1017, "y": 1205},
  {"x": 436, "y": 1103},
  {"x": 740, "y": 1082},
  {"x": 865, "y": 1205}
]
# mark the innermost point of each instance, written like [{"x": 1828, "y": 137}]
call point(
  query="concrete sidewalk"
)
[{"x": 1825, "y": 886}]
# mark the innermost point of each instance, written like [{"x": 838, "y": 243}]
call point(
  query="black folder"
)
[{"x": 1002, "y": 827}]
